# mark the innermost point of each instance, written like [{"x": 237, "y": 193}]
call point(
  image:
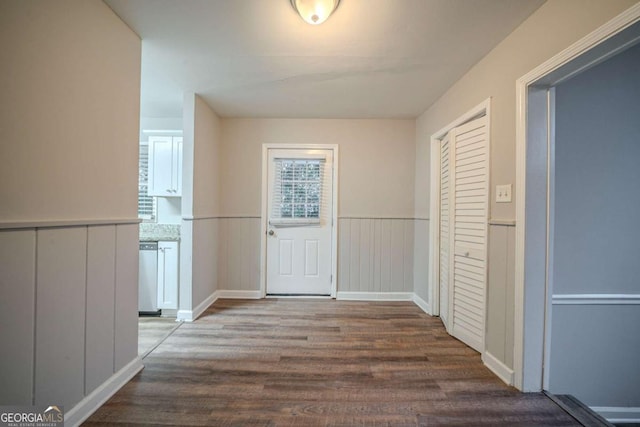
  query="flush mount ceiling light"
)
[{"x": 315, "y": 11}]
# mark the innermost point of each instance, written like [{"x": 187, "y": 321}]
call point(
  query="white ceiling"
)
[{"x": 258, "y": 58}]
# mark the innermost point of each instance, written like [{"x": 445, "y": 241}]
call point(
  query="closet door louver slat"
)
[{"x": 468, "y": 245}]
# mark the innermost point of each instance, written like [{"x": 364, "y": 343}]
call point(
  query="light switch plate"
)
[{"x": 503, "y": 193}]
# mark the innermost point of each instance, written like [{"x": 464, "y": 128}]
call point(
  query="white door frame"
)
[
  {"x": 534, "y": 155},
  {"x": 484, "y": 108},
  {"x": 265, "y": 210}
]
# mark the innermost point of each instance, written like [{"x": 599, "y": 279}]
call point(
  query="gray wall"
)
[{"x": 595, "y": 347}]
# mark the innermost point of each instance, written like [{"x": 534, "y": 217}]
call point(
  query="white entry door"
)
[
  {"x": 300, "y": 221},
  {"x": 468, "y": 216}
]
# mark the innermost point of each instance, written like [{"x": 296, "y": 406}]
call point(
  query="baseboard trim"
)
[
  {"x": 618, "y": 415},
  {"x": 424, "y": 306},
  {"x": 231, "y": 294},
  {"x": 376, "y": 296},
  {"x": 93, "y": 401},
  {"x": 497, "y": 367},
  {"x": 191, "y": 315}
]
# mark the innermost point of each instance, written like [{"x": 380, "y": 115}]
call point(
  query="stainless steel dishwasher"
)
[{"x": 148, "y": 279}]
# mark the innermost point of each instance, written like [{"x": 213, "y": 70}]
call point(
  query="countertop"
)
[{"x": 152, "y": 232}]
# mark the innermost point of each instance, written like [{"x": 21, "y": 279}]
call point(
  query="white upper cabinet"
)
[{"x": 165, "y": 166}]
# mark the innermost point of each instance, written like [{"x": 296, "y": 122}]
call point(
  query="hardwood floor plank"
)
[{"x": 290, "y": 362}]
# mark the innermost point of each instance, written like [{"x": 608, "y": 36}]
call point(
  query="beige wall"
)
[
  {"x": 552, "y": 28},
  {"x": 69, "y": 111},
  {"x": 375, "y": 181},
  {"x": 206, "y": 160},
  {"x": 375, "y": 166},
  {"x": 206, "y": 199},
  {"x": 200, "y": 202},
  {"x": 70, "y": 84}
]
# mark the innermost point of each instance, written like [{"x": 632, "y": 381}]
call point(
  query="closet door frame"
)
[
  {"x": 482, "y": 109},
  {"x": 468, "y": 319},
  {"x": 449, "y": 139}
]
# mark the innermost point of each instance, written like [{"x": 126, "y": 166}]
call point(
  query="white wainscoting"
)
[
  {"x": 239, "y": 253},
  {"x": 500, "y": 295},
  {"x": 421, "y": 263},
  {"x": 204, "y": 261},
  {"x": 69, "y": 310},
  {"x": 375, "y": 255}
]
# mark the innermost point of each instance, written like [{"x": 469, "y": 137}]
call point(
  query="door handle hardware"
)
[{"x": 271, "y": 233}]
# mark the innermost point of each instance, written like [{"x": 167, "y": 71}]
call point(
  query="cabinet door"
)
[
  {"x": 161, "y": 165},
  {"x": 168, "y": 275},
  {"x": 177, "y": 166}
]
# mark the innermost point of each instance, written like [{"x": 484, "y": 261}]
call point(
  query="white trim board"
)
[
  {"x": 205, "y": 217},
  {"x": 231, "y": 294},
  {"x": 404, "y": 218},
  {"x": 424, "y": 306},
  {"x": 66, "y": 223},
  {"x": 596, "y": 299},
  {"x": 497, "y": 367},
  {"x": 191, "y": 315},
  {"x": 618, "y": 415},
  {"x": 532, "y": 170},
  {"x": 92, "y": 402},
  {"x": 376, "y": 296}
]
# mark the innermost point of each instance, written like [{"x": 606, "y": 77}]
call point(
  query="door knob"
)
[{"x": 271, "y": 233}]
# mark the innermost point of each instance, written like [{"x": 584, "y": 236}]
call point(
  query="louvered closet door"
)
[
  {"x": 469, "y": 167},
  {"x": 444, "y": 231}
]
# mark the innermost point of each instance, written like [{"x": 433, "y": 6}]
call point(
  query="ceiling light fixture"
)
[{"x": 315, "y": 12}]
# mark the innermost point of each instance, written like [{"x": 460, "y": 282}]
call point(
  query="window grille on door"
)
[{"x": 297, "y": 191}]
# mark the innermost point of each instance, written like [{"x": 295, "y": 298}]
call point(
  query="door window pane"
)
[{"x": 298, "y": 188}]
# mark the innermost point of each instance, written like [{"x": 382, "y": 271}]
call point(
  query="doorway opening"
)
[
  {"x": 299, "y": 220},
  {"x": 551, "y": 250},
  {"x": 459, "y": 227}
]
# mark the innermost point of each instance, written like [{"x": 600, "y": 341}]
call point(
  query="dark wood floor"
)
[{"x": 295, "y": 362}]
